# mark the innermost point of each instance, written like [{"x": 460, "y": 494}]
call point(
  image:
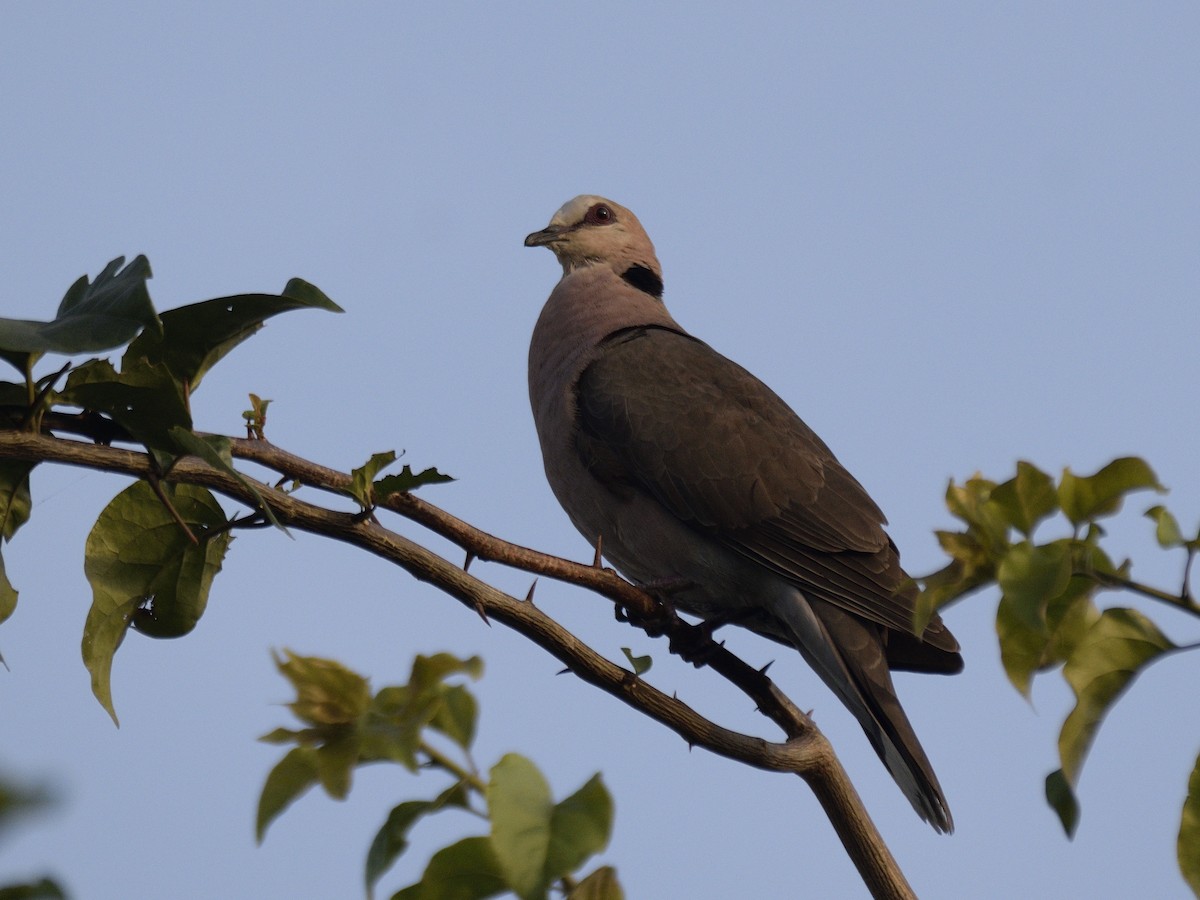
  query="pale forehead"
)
[{"x": 573, "y": 210}]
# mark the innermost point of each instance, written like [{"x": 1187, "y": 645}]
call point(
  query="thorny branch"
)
[{"x": 805, "y": 752}]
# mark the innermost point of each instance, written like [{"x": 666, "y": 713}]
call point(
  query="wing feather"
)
[{"x": 664, "y": 413}]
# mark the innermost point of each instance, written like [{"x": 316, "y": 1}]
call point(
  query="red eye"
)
[{"x": 599, "y": 215}]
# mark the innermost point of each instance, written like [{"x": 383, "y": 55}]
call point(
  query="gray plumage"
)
[{"x": 686, "y": 466}]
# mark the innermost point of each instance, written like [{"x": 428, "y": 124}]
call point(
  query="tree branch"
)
[
  {"x": 1182, "y": 601},
  {"x": 806, "y": 752}
]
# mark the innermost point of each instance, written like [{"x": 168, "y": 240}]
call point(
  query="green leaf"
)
[
  {"x": 15, "y": 500},
  {"x": 392, "y": 728},
  {"x": 1062, "y": 800},
  {"x": 1104, "y": 663},
  {"x": 215, "y": 449},
  {"x": 19, "y": 799},
  {"x": 8, "y": 593},
  {"x": 406, "y": 480},
  {"x": 256, "y": 416},
  {"x": 196, "y": 337},
  {"x": 1022, "y": 649},
  {"x": 640, "y": 664},
  {"x": 23, "y": 363},
  {"x": 13, "y": 394},
  {"x": 392, "y": 838},
  {"x": 1069, "y": 617},
  {"x": 362, "y": 479},
  {"x": 973, "y": 552},
  {"x": 580, "y": 827},
  {"x": 457, "y": 715},
  {"x": 467, "y": 870},
  {"x": 1188, "y": 845},
  {"x": 1030, "y": 576},
  {"x": 1088, "y": 557},
  {"x": 15, "y": 504},
  {"x": 92, "y": 317},
  {"x": 291, "y": 777},
  {"x": 327, "y": 693},
  {"x": 1025, "y": 650},
  {"x": 1027, "y": 498},
  {"x": 1166, "y": 527},
  {"x": 947, "y": 585},
  {"x": 398, "y": 714},
  {"x": 336, "y": 759},
  {"x": 42, "y": 889},
  {"x": 284, "y": 736},
  {"x": 369, "y": 492},
  {"x": 430, "y": 670},
  {"x": 308, "y": 296},
  {"x": 146, "y": 400},
  {"x": 1095, "y": 496},
  {"x": 520, "y": 806},
  {"x": 145, "y": 571},
  {"x": 971, "y": 502},
  {"x": 600, "y": 885}
]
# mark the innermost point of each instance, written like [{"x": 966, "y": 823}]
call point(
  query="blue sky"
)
[{"x": 951, "y": 237}]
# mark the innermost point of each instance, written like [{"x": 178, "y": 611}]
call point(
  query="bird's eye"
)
[{"x": 599, "y": 215}]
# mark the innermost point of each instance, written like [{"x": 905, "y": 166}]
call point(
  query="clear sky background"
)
[{"x": 951, "y": 237}]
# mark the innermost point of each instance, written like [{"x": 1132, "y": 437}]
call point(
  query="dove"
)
[{"x": 686, "y": 469}]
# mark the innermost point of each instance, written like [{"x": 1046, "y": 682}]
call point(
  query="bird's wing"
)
[{"x": 664, "y": 413}]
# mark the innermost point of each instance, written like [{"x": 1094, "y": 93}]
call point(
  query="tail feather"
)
[{"x": 849, "y": 655}]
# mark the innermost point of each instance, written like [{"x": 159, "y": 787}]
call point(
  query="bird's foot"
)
[
  {"x": 659, "y": 623},
  {"x": 655, "y": 624},
  {"x": 696, "y": 644}
]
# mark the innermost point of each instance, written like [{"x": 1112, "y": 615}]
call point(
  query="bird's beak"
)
[{"x": 547, "y": 235}]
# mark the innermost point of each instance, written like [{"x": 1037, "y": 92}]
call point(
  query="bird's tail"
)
[{"x": 848, "y": 654}]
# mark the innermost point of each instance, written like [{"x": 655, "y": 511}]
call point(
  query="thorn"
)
[
  {"x": 478, "y": 606},
  {"x": 566, "y": 671},
  {"x": 467, "y": 562},
  {"x": 763, "y": 670},
  {"x": 596, "y": 563},
  {"x": 529, "y": 596}
]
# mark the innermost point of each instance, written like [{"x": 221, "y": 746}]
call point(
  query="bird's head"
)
[{"x": 591, "y": 230}]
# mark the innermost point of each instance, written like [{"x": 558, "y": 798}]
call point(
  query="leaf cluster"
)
[
  {"x": 533, "y": 842},
  {"x": 15, "y": 801},
  {"x": 370, "y": 491},
  {"x": 155, "y": 548},
  {"x": 1048, "y": 616}
]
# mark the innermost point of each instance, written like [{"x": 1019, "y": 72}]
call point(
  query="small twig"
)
[
  {"x": 156, "y": 485},
  {"x": 1186, "y": 591},
  {"x": 254, "y": 520},
  {"x": 1182, "y": 601},
  {"x": 37, "y": 401},
  {"x": 442, "y": 761}
]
